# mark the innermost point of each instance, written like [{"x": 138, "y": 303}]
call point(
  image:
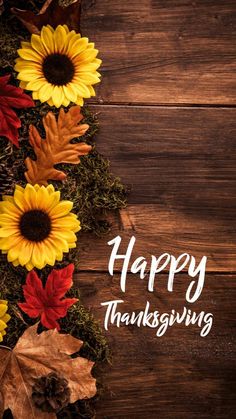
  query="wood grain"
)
[
  {"x": 180, "y": 375},
  {"x": 181, "y": 158},
  {"x": 164, "y": 51},
  {"x": 180, "y": 167},
  {"x": 179, "y": 162},
  {"x": 158, "y": 230}
]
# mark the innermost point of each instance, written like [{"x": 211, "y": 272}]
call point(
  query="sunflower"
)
[
  {"x": 36, "y": 227},
  {"x": 58, "y": 66},
  {"x": 4, "y": 318}
]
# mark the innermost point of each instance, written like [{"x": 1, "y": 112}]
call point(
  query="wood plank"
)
[
  {"x": 181, "y": 158},
  {"x": 159, "y": 229},
  {"x": 179, "y": 375},
  {"x": 175, "y": 51},
  {"x": 180, "y": 164}
]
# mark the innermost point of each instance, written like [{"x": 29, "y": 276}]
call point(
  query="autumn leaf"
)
[
  {"x": 11, "y": 97},
  {"x": 47, "y": 302},
  {"x": 38, "y": 355},
  {"x": 51, "y": 13},
  {"x": 56, "y": 148}
]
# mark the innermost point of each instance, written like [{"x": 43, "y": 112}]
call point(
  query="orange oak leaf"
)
[
  {"x": 57, "y": 147},
  {"x": 35, "y": 356},
  {"x": 51, "y": 13}
]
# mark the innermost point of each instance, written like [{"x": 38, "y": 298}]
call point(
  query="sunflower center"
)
[
  {"x": 58, "y": 69},
  {"x": 35, "y": 225}
]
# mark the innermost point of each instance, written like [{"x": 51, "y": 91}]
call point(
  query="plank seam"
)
[{"x": 163, "y": 105}]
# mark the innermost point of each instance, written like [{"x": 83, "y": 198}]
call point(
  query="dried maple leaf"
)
[
  {"x": 11, "y": 97},
  {"x": 47, "y": 302},
  {"x": 51, "y": 13},
  {"x": 35, "y": 356},
  {"x": 56, "y": 148}
]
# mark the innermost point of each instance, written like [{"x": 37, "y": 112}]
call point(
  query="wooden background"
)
[{"x": 167, "y": 113}]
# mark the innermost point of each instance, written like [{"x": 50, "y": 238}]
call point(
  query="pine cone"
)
[
  {"x": 6, "y": 179},
  {"x": 51, "y": 393}
]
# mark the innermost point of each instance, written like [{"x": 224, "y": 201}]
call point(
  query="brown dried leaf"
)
[
  {"x": 56, "y": 148},
  {"x": 35, "y": 356},
  {"x": 51, "y": 13}
]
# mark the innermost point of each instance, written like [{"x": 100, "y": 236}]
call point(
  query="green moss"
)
[
  {"x": 90, "y": 185},
  {"x": 79, "y": 322}
]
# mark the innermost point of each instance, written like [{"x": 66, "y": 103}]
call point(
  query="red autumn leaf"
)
[
  {"x": 47, "y": 302},
  {"x": 11, "y": 97}
]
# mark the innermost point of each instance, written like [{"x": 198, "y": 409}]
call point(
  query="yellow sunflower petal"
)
[
  {"x": 20, "y": 200},
  {"x": 14, "y": 252},
  {"x": 82, "y": 90},
  {"x": 3, "y": 325},
  {"x": 92, "y": 91},
  {"x": 25, "y": 253},
  {"x": 6, "y": 318},
  {"x": 9, "y": 218},
  {"x": 30, "y": 196},
  {"x": 60, "y": 35},
  {"x": 67, "y": 29},
  {"x": 50, "y": 28},
  {"x": 35, "y": 95},
  {"x": 71, "y": 39},
  {"x": 45, "y": 92},
  {"x": 53, "y": 200},
  {"x": 7, "y": 242},
  {"x": 8, "y": 231},
  {"x": 37, "y": 44},
  {"x": 28, "y": 75},
  {"x": 29, "y": 266},
  {"x": 47, "y": 37},
  {"x": 58, "y": 96},
  {"x": 50, "y": 252},
  {"x": 37, "y": 257},
  {"x": 3, "y": 309},
  {"x": 30, "y": 54},
  {"x": 70, "y": 92},
  {"x": 62, "y": 209},
  {"x": 78, "y": 46},
  {"x": 90, "y": 67},
  {"x": 50, "y": 102},
  {"x": 41, "y": 197},
  {"x": 8, "y": 207},
  {"x": 25, "y": 44},
  {"x": 87, "y": 55},
  {"x": 66, "y": 222},
  {"x": 50, "y": 188},
  {"x": 8, "y": 198},
  {"x": 65, "y": 102},
  {"x": 88, "y": 78},
  {"x": 22, "y": 65},
  {"x": 36, "y": 84},
  {"x": 23, "y": 84},
  {"x": 68, "y": 236},
  {"x": 59, "y": 244},
  {"x": 79, "y": 101}
]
